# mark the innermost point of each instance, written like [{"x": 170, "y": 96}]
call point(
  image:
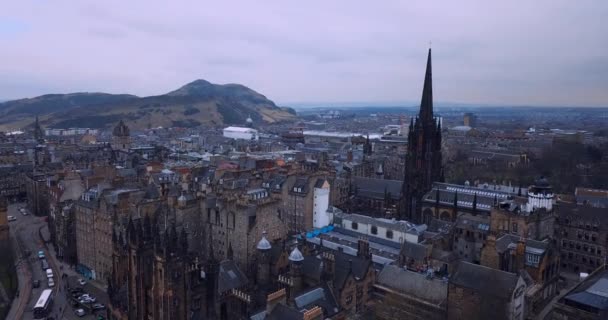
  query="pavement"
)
[{"x": 26, "y": 233}]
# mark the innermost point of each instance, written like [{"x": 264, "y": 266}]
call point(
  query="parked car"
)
[
  {"x": 80, "y": 312},
  {"x": 87, "y": 298},
  {"x": 98, "y": 306},
  {"x": 41, "y": 254},
  {"x": 36, "y": 284},
  {"x": 51, "y": 282},
  {"x": 12, "y": 218},
  {"x": 23, "y": 211},
  {"x": 49, "y": 273},
  {"x": 44, "y": 264},
  {"x": 82, "y": 282}
]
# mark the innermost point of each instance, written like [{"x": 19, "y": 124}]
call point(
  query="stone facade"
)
[{"x": 582, "y": 234}]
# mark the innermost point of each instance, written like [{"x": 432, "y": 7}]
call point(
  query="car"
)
[
  {"x": 36, "y": 284},
  {"x": 80, "y": 312},
  {"x": 23, "y": 211},
  {"x": 44, "y": 264},
  {"x": 41, "y": 254},
  {"x": 82, "y": 282},
  {"x": 98, "y": 306},
  {"x": 87, "y": 298},
  {"x": 49, "y": 273},
  {"x": 51, "y": 282},
  {"x": 12, "y": 218}
]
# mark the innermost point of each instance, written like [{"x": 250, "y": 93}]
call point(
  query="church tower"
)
[
  {"x": 121, "y": 137},
  {"x": 423, "y": 159}
]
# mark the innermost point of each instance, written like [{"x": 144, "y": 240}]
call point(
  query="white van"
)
[{"x": 49, "y": 273}]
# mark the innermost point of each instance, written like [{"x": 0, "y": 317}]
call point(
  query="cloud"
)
[{"x": 549, "y": 52}]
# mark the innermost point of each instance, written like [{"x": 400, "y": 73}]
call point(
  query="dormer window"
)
[{"x": 532, "y": 258}]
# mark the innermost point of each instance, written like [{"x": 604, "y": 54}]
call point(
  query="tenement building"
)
[{"x": 582, "y": 234}]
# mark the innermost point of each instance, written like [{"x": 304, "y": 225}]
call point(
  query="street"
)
[{"x": 25, "y": 232}]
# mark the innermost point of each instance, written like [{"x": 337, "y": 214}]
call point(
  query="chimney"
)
[
  {"x": 329, "y": 264},
  {"x": 363, "y": 248},
  {"x": 520, "y": 253},
  {"x": 275, "y": 298},
  {"x": 315, "y": 313}
]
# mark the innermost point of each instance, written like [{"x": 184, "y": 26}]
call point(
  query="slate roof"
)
[
  {"x": 484, "y": 280},
  {"x": 230, "y": 277},
  {"x": 301, "y": 183},
  {"x": 584, "y": 213},
  {"x": 592, "y": 293},
  {"x": 319, "y": 183},
  {"x": 398, "y": 225},
  {"x": 312, "y": 267},
  {"x": 376, "y": 188},
  {"x": 447, "y": 192},
  {"x": 319, "y": 296},
  {"x": 342, "y": 270},
  {"x": 415, "y": 284},
  {"x": 283, "y": 312}
]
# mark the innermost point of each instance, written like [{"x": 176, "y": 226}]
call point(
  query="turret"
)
[
  {"x": 295, "y": 266},
  {"x": 263, "y": 268}
]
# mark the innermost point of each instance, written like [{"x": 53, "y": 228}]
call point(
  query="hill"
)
[{"x": 197, "y": 103}]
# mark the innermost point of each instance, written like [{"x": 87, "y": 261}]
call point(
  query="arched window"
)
[{"x": 445, "y": 216}]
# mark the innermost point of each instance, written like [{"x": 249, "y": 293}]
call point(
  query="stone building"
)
[
  {"x": 36, "y": 188},
  {"x": 153, "y": 277},
  {"x": 299, "y": 202},
  {"x": 478, "y": 292},
  {"x": 537, "y": 262},
  {"x": 582, "y": 234},
  {"x": 84, "y": 216},
  {"x": 349, "y": 279},
  {"x": 114, "y": 205},
  {"x": 4, "y": 227},
  {"x": 410, "y": 295},
  {"x": 235, "y": 223}
]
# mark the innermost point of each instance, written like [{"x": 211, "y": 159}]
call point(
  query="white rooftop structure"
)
[{"x": 241, "y": 133}]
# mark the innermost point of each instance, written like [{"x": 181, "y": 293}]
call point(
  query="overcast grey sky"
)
[{"x": 541, "y": 52}]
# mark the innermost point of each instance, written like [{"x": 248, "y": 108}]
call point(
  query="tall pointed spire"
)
[{"x": 426, "y": 104}]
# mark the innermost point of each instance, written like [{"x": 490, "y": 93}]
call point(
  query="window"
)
[
  {"x": 374, "y": 230},
  {"x": 389, "y": 234},
  {"x": 514, "y": 227},
  {"x": 532, "y": 258},
  {"x": 349, "y": 299},
  {"x": 354, "y": 226}
]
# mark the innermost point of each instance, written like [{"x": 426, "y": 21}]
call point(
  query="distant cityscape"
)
[{"x": 211, "y": 202}]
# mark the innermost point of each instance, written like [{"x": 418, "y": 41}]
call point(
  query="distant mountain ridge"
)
[{"x": 197, "y": 103}]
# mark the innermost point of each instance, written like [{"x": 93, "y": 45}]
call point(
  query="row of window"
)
[
  {"x": 581, "y": 224},
  {"x": 583, "y": 259},
  {"x": 583, "y": 247},
  {"x": 374, "y": 230}
]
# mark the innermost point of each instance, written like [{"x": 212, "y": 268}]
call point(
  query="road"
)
[{"x": 26, "y": 235}]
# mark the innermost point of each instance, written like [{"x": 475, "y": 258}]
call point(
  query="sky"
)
[{"x": 542, "y": 52}]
